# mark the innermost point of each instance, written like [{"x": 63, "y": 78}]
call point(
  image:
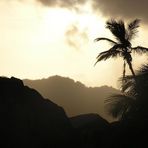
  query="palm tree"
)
[
  {"x": 133, "y": 102},
  {"x": 119, "y": 105},
  {"x": 122, "y": 47}
]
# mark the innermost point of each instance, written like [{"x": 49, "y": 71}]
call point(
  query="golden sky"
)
[{"x": 41, "y": 38}]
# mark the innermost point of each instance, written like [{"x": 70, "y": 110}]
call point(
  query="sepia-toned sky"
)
[{"x": 41, "y": 38}]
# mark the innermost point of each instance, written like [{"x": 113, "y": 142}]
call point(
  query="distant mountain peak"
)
[{"x": 73, "y": 96}]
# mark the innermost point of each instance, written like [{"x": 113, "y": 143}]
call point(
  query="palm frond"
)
[
  {"x": 132, "y": 28},
  {"x": 112, "y": 52},
  {"x": 109, "y": 40},
  {"x": 139, "y": 49},
  {"x": 119, "y": 105},
  {"x": 142, "y": 78},
  {"x": 137, "y": 88},
  {"x": 127, "y": 84},
  {"x": 143, "y": 70},
  {"x": 117, "y": 28}
]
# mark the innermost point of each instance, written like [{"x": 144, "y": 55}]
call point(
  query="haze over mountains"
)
[{"x": 73, "y": 96}]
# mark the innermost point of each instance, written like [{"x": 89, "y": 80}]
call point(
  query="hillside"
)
[
  {"x": 72, "y": 95},
  {"x": 29, "y": 120}
]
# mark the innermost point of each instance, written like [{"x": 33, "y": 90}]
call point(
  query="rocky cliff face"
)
[{"x": 29, "y": 120}]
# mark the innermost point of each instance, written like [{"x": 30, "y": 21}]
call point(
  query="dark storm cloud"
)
[
  {"x": 130, "y": 9},
  {"x": 69, "y": 4},
  {"x": 76, "y": 37}
]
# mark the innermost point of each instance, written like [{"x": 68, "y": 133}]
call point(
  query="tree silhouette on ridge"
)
[{"x": 132, "y": 103}]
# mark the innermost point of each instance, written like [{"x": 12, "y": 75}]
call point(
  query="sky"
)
[{"x": 42, "y": 38}]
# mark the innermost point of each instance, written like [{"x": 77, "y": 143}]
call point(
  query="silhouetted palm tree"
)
[
  {"x": 133, "y": 103},
  {"x": 119, "y": 105},
  {"x": 122, "y": 47}
]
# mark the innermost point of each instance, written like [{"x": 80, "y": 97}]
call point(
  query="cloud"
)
[
  {"x": 129, "y": 9},
  {"x": 76, "y": 37},
  {"x": 69, "y": 4}
]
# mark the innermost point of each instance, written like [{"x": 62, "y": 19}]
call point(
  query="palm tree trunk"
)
[
  {"x": 124, "y": 66},
  {"x": 131, "y": 69},
  {"x": 137, "y": 87}
]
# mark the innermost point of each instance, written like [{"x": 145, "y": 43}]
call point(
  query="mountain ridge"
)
[
  {"x": 75, "y": 97},
  {"x": 66, "y": 77}
]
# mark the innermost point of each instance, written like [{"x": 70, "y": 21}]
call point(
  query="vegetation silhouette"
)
[
  {"x": 132, "y": 103},
  {"x": 122, "y": 47},
  {"x": 131, "y": 108}
]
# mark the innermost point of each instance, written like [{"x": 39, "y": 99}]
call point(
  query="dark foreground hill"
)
[
  {"x": 73, "y": 96},
  {"x": 29, "y": 120},
  {"x": 91, "y": 128},
  {"x": 88, "y": 120}
]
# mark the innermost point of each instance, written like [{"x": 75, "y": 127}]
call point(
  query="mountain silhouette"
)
[
  {"x": 92, "y": 129},
  {"x": 72, "y": 95},
  {"x": 86, "y": 120},
  {"x": 29, "y": 120}
]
